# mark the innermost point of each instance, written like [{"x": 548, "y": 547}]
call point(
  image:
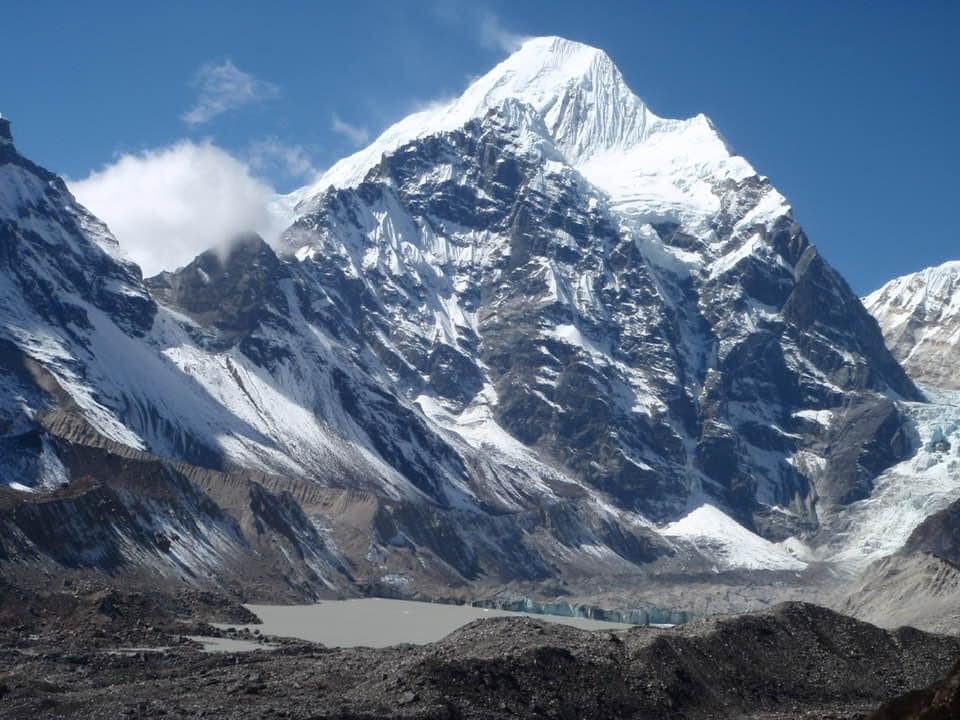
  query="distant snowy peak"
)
[
  {"x": 934, "y": 291},
  {"x": 920, "y": 318},
  {"x": 650, "y": 166}
]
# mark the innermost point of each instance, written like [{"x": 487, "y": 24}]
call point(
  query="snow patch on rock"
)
[{"x": 717, "y": 535}]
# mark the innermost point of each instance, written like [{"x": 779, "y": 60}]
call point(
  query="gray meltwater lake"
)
[{"x": 376, "y": 622}]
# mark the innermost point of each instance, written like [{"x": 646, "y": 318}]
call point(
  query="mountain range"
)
[{"x": 535, "y": 340}]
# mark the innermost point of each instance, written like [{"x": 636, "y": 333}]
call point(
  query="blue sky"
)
[{"x": 850, "y": 107}]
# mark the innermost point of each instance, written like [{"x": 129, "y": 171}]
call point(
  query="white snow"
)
[
  {"x": 719, "y": 536},
  {"x": 18, "y": 189},
  {"x": 571, "y": 335},
  {"x": 569, "y": 106},
  {"x": 821, "y": 417},
  {"x": 934, "y": 291},
  {"x": 726, "y": 263},
  {"x": 477, "y": 427}
]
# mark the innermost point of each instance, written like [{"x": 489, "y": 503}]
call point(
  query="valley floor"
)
[{"x": 102, "y": 653}]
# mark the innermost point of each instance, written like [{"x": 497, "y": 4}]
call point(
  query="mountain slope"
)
[
  {"x": 920, "y": 318},
  {"x": 228, "y": 374},
  {"x": 85, "y": 389},
  {"x": 664, "y": 339},
  {"x": 938, "y": 535},
  {"x": 535, "y": 335}
]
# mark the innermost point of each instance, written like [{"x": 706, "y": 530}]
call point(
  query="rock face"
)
[
  {"x": 920, "y": 318},
  {"x": 938, "y": 535},
  {"x": 228, "y": 293},
  {"x": 57, "y": 259},
  {"x": 655, "y": 345},
  {"x": 536, "y": 333}
]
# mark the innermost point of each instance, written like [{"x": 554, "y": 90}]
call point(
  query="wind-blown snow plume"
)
[
  {"x": 494, "y": 35},
  {"x": 356, "y": 135}
]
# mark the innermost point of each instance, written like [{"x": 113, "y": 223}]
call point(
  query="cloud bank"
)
[
  {"x": 168, "y": 205},
  {"x": 222, "y": 87}
]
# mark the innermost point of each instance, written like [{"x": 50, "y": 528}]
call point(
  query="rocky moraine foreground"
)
[{"x": 127, "y": 655}]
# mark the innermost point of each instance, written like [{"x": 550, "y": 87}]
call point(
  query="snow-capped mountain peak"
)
[
  {"x": 576, "y": 88},
  {"x": 579, "y": 92},
  {"x": 933, "y": 290},
  {"x": 651, "y": 167}
]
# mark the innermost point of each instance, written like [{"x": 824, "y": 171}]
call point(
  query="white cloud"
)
[
  {"x": 166, "y": 206},
  {"x": 496, "y": 37},
  {"x": 272, "y": 154},
  {"x": 222, "y": 87},
  {"x": 357, "y": 135}
]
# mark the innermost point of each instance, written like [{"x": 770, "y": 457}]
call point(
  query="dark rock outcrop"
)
[
  {"x": 940, "y": 701},
  {"x": 938, "y": 535}
]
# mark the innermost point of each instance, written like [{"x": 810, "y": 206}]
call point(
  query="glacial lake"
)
[{"x": 377, "y": 622}]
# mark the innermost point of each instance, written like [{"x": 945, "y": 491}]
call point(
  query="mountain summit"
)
[
  {"x": 580, "y": 93},
  {"x": 590, "y": 115}
]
